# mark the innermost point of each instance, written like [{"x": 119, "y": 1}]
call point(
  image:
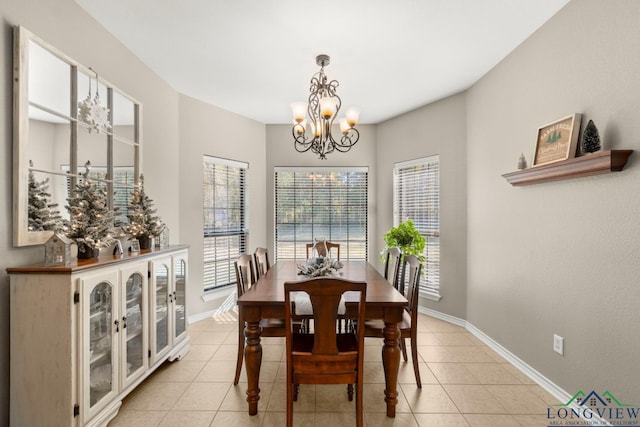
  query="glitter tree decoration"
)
[
  {"x": 92, "y": 221},
  {"x": 590, "y": 138},
  {"x": 143, "y": 223},
  {"x": 42, "y": 214}
]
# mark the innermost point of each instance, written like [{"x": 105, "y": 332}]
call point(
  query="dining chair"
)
[
  {"x": 325, "y": 356},
  {"x": 323, "y": 248},
  {"x": 409, "y": 324},
  {"x": 270, "y": 327},
  {"x": 392, "y": 266},
  {"x": 261, "y": 261}
]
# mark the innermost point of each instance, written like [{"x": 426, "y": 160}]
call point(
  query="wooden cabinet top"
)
[{"x": 78, "y": 265}]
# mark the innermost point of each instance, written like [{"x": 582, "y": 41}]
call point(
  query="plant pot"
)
[
  {"x": 87, "y": 252},
  {"x": 145, "y": 241}
]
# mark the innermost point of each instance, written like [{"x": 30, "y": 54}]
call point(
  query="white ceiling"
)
[{"x": 255, "y": 57}]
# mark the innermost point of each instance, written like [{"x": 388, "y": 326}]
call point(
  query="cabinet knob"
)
[
  {"x": 117, "y": 323},
  {"x": 124, "y": 322}
]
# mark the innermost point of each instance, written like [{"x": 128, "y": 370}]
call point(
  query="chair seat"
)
[
  {"x": 272, "y": 323},
  {"x": 374, "y": 327}
]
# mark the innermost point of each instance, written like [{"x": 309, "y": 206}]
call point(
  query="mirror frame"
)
[{"x": 22, "y": 37}]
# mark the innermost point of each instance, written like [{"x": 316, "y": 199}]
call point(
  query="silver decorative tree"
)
[
  {"x": 92, "y": 221},
  {"x": 143, "y": 221},
  {"x": 42, "y": 214}
]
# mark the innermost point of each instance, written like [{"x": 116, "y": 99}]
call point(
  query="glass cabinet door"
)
[
  {"x": 180, "y": 277},
  {"x": 134, "y": 324},
  {"x": 160, "y": 306},
  {"x": 100, "y": 332}
]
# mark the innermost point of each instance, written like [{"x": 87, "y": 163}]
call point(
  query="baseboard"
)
[
  {"x": 201, "y": 316},
  {"x": 443, "y": 316},
  {"x": 544, "y": 382}
]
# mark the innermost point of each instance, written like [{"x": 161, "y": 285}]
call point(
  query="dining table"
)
[{"x": 265, "y": 300}]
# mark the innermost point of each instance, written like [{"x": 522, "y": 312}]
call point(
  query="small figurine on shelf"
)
[
  {"x": 163, "y": 238},
  {"x": 57, "y": 250},
  {"x": 590, "y": 139},
  {"x": 522, "y": 162}
]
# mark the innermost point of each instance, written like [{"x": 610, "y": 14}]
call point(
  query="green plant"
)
[{"x": 406, "y": 237}]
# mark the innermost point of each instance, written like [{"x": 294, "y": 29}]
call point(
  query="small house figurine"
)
[
  {"x": 57, "y": 250},
  {"x": 163, "y": 239}
]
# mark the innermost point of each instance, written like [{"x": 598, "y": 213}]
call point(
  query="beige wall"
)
[
  {"x": 560, "y": 257},
  {"x": 439, "y": 128},
  {"x": 205, "y": 129},
  {"x": 281, "y": 152}
]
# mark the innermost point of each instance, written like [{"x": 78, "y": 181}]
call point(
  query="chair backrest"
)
[
  {"x": 413, "y": 265},
  {"x": 244, "y": 273},
  {"x": 392, "y": 266},
  {"x": 325, "y": 295},
  {"x": 323, "y": 248},
  {"x": 261, "y": 261}
]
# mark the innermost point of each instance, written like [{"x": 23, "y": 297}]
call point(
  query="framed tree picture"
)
[{"x": 557, "y": 140}]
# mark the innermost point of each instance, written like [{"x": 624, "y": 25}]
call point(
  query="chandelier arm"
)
[
  {"x": 300, "y": 142},
  {"x": 348, "y": 140}
]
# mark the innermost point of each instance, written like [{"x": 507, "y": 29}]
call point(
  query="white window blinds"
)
[
  {"x": 225, "y": 220},
  {"x": 324, "y": 204},
  {"x": 416, "y": 195}
]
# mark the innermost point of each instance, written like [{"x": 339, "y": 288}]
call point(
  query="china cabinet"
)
[
  {"x": 83, "y": 336},
  {"x": 168, "y": 323}
]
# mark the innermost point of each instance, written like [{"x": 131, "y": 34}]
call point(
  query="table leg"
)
[
  {"x": 391, "y": 363},
  {"x": 253, "y": 360}
]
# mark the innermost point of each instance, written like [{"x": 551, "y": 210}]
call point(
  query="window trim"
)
[
  {"x": 429, "y": 292},
  {"x": 243, "y": 230},
  {"x": 323, "y": 169}
]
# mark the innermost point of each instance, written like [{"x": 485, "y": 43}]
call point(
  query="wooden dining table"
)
[{"x": 265, "y": 300}]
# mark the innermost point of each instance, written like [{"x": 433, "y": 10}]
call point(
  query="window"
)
[
  {"x": 416, "y": 195},
  {"x": 225, "y": 219},
  {"x": 324, "y": 204}
]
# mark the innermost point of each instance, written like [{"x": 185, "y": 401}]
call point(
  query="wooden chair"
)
[
  {"x": 409, "y": 324},
  {"x": 392, "y": 266},
  {"x": 270, "y": 327},
  {"x": 325, "y": 356},
  {"x": 320, "y": 246},
  {"x": 261, "y": 261}
]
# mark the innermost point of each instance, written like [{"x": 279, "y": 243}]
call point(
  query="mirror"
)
[{"x": 64, "y": 116}]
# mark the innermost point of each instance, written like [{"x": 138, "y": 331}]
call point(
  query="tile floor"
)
[{"x": 464, "y": 383}]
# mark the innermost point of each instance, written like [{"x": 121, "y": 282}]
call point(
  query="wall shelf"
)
[{"x": 590, "y": 164}]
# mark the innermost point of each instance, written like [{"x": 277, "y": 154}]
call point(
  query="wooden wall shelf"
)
[{"x": 590, "y": 164}]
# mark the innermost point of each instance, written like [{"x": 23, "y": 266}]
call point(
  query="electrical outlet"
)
[{"x": 558, "y": 344}]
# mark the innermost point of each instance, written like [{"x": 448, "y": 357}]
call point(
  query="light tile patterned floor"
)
[{"x": 464, "y": 383}]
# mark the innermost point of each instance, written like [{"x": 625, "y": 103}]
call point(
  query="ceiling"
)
[{"x": 255, "y": 57}]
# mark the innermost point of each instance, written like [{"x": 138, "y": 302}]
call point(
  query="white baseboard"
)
[{"x": 518, "y": 363}]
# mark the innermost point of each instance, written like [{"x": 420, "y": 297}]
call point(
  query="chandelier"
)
[{"x": 322, "y": 109}]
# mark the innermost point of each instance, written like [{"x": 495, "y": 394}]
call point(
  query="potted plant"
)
[
  {"x": 91, "y": 225},
  {"x": 143, "y": 223},
  {"x": 406, "y": 237}
]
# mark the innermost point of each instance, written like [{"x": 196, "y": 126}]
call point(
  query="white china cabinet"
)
[
  {"x": 85, "y": 335},
  {"x": 168, "y": 322}
]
